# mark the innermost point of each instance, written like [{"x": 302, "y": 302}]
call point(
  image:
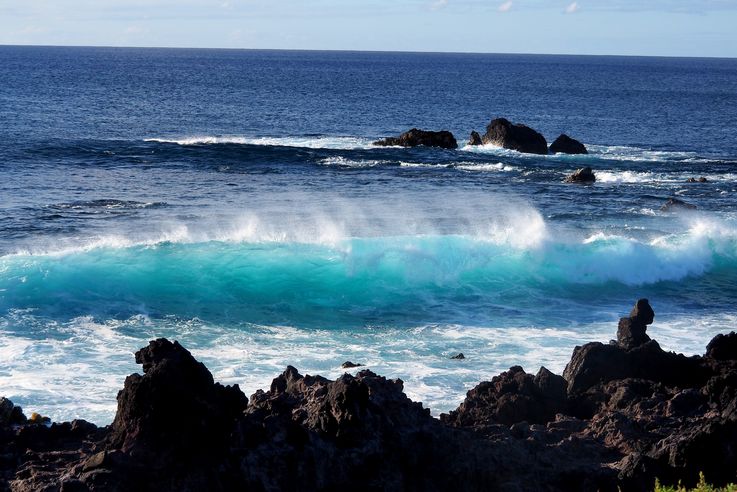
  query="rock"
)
[
  {"x": 414, "y": 137},
  {"x": 624, "y": 414},
  {"x": 175, "y": 412},
  {"x": 583, "y": 175},
  {"x": 350, "y": 365},
  {"x": 631, "y": 331},
  {"x": 512, "y": 397},
  {"x": 723, "y": 347},
  {"x": 10, "y": 414},
  {"x": 567, "y": 145},
  {"x": 643, "y": 312},
  {"x": 521, "y": 138},
  {"x": 697, "y": 180},
  {"x": 676, "y": 204},
  {"x": 458, "y": 356},
  {"x": 475, "y": 139},
  {"x": 37, "y": 418}
]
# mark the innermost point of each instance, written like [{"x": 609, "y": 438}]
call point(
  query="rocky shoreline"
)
[{"x": 621, "y": 415}]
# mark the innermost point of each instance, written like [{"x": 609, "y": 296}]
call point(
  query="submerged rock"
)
[
  {"x": 697, "y": 180},
  {"x": 350, "y": 365},
  {"x": 458, "y": 356},
  {"x": 503, "y": 133},
  {"x": 414, "y": 137},
  {"x": 567, "y": 145},
  {"x": 676, "y": 204},
  {"x": 583, "y": 175}
]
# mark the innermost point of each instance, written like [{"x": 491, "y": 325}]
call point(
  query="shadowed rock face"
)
[
  {"x": 414, "y": 137},
  {"x": 623, "y": 414},
  {"x": 567, "y": 145},
  {"x": 517, "y": 137}
]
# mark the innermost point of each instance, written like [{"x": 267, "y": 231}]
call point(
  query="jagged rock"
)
[
  {"x": 512, "y": 397},
  {"x": 175, "y": 410},
  {"x": 723, "y": 347},
  {"x": 414, "y": 137},
  {"x": 583, "y": 175},
  {"x": 676, "y": 204},
  {"x": 458, "y": 356},
  {"x": 567, "y": 145},
  {"x": 631, "y": 331},
  {"x": 350, "y": 365},
  {"x": 503, "y": 133},
  {"x": 621, "y": 418},
  {"x": 475, "y": 139}
]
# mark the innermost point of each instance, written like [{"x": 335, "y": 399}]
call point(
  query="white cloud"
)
[
  {"x": 439, "y": 4},
  {"x": 506, "y": 6},
  {"x": 572, "y": 8}
]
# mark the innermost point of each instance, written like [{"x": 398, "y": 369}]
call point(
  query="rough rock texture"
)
[
  {"x": 414, "y": 137},
  {"x": 676, "y": 204},
  {"x": 567, "y": 145},
  {"x": 517, "y": 137},
  {"x": 512, "y": 397},
  {"x": 475, "y": 139},
  {"x": 631, "y": 330},
  {"x": 583, "y": 175},
  {"x": 623, "y": 414}
]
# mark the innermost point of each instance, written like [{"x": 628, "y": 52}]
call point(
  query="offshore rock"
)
[
  {"x": 583, "y": 175},
  {"x": 475, "y": 139},
  {"x": 676, "y": 204},
  {"x": 567, "y": 145},
  {"x": 414, "y": 137},
  {"x": 503, "y": 133}
]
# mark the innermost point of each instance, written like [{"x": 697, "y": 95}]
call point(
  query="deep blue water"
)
[{"x": 233, "y": 200}]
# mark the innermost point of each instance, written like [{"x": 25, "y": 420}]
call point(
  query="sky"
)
[{"x": 610, "y": 27}]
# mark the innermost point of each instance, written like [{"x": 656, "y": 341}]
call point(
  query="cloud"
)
[
  {"x": 572, "y": 8},
  {"x": 506, "y": 6},
  {"x": 439, "y": 4}
]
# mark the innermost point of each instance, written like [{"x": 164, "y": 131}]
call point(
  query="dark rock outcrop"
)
[
  {"x": 623, "y": 414},
  {"x": 350, "y": 365},
  {"x": 723, "y": 347},
  {"x": 697, "y": 180},
  {"x": 503, "y": 133},
  {"x": 567, "y": 145},
  {"x": 414, "y": 137},
  {"x": 510, "y": 398},
  {"x": 583, "y": 175},
  {"x": 458, "y": 356},
  {"x": 676, "y": 204},
  {"x": 631, "y": 330},
  {"x": 475, "y": 139}
]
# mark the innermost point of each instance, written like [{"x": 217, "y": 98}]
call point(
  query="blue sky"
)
[{"x": 626, "y": 27}]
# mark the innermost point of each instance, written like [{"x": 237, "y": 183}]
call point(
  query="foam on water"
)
[
  {"x": 76, "y": 370},
  {"x": 308, "y": 142}
]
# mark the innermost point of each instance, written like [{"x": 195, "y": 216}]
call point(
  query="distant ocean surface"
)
[{"x": 232, "y": 200}]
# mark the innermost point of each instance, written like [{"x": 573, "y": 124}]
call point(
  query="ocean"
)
[{"x": 233, "y": 200}]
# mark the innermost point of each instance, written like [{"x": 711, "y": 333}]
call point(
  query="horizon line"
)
[{"x": 365, "y": 51}]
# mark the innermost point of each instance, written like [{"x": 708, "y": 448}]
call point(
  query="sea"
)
[{"x": 233, "y": 200}]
